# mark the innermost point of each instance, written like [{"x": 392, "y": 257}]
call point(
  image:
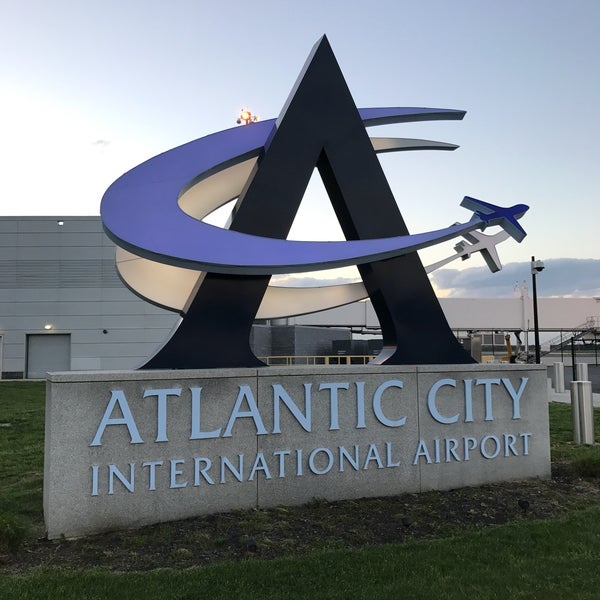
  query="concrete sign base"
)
[{"x": 126, "y": 449}]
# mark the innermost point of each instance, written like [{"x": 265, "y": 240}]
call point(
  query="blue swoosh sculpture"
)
[{"x": 140, "y": 211}]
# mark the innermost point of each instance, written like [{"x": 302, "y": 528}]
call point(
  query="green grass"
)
[
  {"x": 528, "y": 559},
  {"x": 22, "y": 448},
  {"x": 585, "y": 459},
  {"x": 536, "y": 559}
]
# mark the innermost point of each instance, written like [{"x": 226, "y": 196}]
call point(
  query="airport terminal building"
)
[{"x": 63, "y": 307}]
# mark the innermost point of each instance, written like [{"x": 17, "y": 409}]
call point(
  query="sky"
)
[{"x": 91, "y": 88}]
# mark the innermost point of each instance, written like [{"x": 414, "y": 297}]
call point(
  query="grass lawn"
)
[
  {"x": 534, "y": 555},
  {"x": 540, "y": 559}
]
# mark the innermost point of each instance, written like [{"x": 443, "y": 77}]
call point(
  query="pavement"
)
[{"x": 566, "y": 396}]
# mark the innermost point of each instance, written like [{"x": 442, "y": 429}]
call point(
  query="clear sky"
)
[{"x": 91, "y": 88}]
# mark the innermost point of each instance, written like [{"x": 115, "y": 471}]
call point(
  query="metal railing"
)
[
  {"x": 332, "y": 359},
  {"x": 578, "y": 333}
]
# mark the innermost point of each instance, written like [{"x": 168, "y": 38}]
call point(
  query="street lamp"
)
[
  {"x": 536, "y": 267},
  {"x": 246, "y": 117}
]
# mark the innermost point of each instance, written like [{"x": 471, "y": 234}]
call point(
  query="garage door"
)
[{"x": 51, "y": 352}]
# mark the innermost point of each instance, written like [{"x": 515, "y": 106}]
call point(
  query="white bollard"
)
[
  {"x": 559, "y": 377},
  {"x": 575, "y": 413},
  {"x": 582, "y": 372},
  {"x": 583, "y": 412}
]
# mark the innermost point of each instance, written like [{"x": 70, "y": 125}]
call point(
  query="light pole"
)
[
  {"x": 536, "y": 267},
  {"x": 246, "y": 117}
]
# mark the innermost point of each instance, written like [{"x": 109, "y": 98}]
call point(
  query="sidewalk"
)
[{"x": 566, "y": 396}]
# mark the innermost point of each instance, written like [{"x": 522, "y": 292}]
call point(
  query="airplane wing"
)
[{"x": 486, "y": 244}]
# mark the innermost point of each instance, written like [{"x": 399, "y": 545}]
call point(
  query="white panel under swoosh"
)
[{"x": 171, "y": 287}]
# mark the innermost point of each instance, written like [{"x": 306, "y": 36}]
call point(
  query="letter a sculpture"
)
[{"x": 218, "y": 279}]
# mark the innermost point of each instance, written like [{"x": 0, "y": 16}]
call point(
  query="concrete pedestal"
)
[{"x": 126, "y": 449}]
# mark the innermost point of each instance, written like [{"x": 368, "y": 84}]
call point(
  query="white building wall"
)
[
  {"x": 64, "y": 276},
  {"x": 466, "y": 314}
]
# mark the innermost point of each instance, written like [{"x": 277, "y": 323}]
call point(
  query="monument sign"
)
[
  {"x": 133, "y": 448},
  {"x": 205, "y": 426}
]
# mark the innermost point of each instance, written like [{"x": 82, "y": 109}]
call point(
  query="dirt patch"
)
[{"x": 291, "y": 531}]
